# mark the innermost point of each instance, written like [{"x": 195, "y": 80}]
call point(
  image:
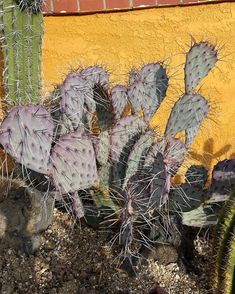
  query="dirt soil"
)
[{"x": 75, "y": 259}]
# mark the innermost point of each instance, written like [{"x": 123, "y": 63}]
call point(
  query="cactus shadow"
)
[{"x": 209, "y": 154}]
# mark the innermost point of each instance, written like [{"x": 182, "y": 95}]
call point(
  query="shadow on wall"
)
[{"x": 208, "y": 154}]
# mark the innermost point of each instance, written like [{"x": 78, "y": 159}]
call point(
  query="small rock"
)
[
  {"x": 165, "y": 254},
  {"x": 93, "y": 280},
  {"x": 53, "y": 291},
  {"x": 6, "y": 289}
]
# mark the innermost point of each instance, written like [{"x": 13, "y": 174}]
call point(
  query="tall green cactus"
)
[
  {"x": 225, "y": 255},
  {"x": 21, "y": 38}
]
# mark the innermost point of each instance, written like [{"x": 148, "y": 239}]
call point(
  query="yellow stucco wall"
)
[{"x": 123, "y": 40}]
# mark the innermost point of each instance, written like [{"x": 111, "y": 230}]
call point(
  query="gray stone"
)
[{"x": 24, "y": 214}]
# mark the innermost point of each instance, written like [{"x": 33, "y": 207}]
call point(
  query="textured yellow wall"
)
[{"x": 124, "y": 40}]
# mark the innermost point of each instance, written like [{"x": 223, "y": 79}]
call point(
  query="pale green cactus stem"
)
[{"x": 21, "y": 36}]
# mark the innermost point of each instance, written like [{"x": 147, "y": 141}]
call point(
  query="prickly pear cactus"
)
[{"x": 88, "y": 144}]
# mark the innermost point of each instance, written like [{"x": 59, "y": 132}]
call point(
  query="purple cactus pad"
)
[
  {"x": 73, "y": 163},
  {"x": 26, "y": 134}
]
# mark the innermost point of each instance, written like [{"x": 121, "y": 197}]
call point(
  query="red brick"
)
[
  {"x": 110, "y": 4},
  {"x": 89, "y": 5},
  {"x": 169, "y": 2},
  {"x": 65, "y": 5},
  {"x": 144, "y": 2},
  {"x": 190, "y": 1},
  {"x": 46, "y": 7}
]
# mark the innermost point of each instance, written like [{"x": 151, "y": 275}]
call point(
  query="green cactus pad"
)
[
  {"x": 185, "y": 198},
  {"x": 104, "y": 176},
  {"x": 102, "y": 148},
  {"x": 137, "y": 153},
  {"x": 202, "y": 216},
  {"x": 197, "y": 176},
  {"x": 200, "y": 59},
  {"x": 156, "y": 176},
  {"x": 104, "y": 108},
  {"x": 159, "y": 182},
  {"x": 188, "y": 112},
  {"x": 124, "y": 135}
]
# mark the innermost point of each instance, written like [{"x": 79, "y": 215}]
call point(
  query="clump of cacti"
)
[
  {"x": 82, "y": 142},
  {"x": 21, "y": 38},
  {"x": 224, "y": 276}
]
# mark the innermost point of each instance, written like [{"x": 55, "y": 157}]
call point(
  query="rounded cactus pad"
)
[
  {"x": 197, "y": 175},
  {"x": 135, "y": 159},
  {"x": 124, "y": 135},
  {"x": 200, "y": 59},
  {"x": 73, "y": 163},
  {"x": 223, "y": 180},
  {"x": 119, "y": 98},
  {"x": 158, "y": 178},
  {"x": 224, "y": 170},
  {"x": 148, "y": 89},
  {"x": 187, "y": 113},
  {"x": 77, "y": 98},
  {"x": 26, "y": 134},
  {"x": 96, "y": 75}
]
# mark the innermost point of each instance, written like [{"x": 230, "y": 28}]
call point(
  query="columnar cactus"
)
[
  {"x": 21, "y": 38},
  {"x": 225, "y": 249}
]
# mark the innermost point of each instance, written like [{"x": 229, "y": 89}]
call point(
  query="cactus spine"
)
[{"x": 21, "y": 36}]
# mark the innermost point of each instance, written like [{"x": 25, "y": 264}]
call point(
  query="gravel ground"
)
[{"x": 79, "y": 260}]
